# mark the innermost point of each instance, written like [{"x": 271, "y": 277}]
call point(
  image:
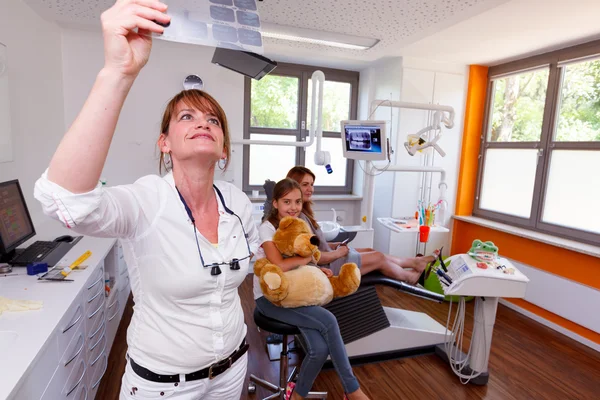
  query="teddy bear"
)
[{"x": 306, "y": 285}]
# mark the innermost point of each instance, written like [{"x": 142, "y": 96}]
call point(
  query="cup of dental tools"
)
[{"x": 424, "y": 233}]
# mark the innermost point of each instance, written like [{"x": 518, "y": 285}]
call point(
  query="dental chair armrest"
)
[
  {"x": 343, "y": 235},
  {"x": 376, "y": 278}
]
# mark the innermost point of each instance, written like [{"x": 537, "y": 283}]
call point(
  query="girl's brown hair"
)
[
  {"x": 204, "y": 103},
  {"x": 297, "y": 173},
  {"x": 282, "y": 188}
]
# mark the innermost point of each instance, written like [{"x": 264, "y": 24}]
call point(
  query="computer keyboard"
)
[{"x": 36, "y": 252}]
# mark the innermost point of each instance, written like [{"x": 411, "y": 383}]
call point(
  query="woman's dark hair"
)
[
  {"x": 282, "y": 188},
  {"x": 297, "y": 173}
]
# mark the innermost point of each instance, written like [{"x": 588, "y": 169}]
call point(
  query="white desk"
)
[{"x": 61, "y": 351}]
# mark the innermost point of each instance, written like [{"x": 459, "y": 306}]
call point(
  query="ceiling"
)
[{"x": 485, "y": 32}]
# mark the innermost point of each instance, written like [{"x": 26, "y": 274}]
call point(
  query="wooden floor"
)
[{"x": 528, "y": 361}]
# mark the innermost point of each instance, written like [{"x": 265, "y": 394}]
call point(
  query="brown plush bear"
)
[{"x": 306, "y": 285}]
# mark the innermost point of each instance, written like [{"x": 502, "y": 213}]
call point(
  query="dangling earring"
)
[
  {"x": 167, "y": 159},
  {"x": 222, "y": 162}
]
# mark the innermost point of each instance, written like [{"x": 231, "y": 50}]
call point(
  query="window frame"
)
[
  {"x": 304, "y": 73},
  {"x": 555, "y": 61}
]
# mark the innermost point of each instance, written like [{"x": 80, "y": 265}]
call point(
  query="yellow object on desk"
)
[
  {"x": 7, "y": 304},
  {"x": 67, "y": 270}
]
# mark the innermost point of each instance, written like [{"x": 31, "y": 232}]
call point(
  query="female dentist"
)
[{"x": 187, "y": 239}]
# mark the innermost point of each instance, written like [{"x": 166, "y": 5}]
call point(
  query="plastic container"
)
[
  {"x": 424, "y": 231},
  {"x": 36, "y": 268}
]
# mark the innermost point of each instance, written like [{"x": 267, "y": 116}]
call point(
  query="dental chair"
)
[{"x": 373, "y": 333}]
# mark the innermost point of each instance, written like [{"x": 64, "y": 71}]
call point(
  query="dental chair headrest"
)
[{"x": 269, "y": 187}]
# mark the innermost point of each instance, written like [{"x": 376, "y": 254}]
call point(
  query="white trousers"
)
[{"x": 227, "y": 386}]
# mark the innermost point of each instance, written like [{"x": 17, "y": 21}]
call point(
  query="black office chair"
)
[{"x": 271, "y": 325}]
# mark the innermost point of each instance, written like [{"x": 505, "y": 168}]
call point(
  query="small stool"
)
[{"x": 271, "y": 325}]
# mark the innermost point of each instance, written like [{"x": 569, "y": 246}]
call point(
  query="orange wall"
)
[
  {"x": 552, "y": 259},
  {"x": 474, "y": 111}
]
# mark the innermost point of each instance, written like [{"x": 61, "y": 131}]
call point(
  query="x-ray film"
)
[
  {"x": 218, "y": 23},
  {"x": 250, "y": 37},
  {"x": 248, "y": 19},
  {"x": 245, "y": 4},
  {"x": 222, "y": 14}
]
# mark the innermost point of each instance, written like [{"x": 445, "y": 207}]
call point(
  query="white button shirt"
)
[{"x": 184, "y": 318}]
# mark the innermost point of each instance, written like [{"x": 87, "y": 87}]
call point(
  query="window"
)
[
  {"x": 540, "y": 149},
  {"x": 278, "y": 107}
]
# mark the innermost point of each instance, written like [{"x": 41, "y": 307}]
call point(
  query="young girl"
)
[
  {"x": 368, "y": 260},
  {"x": 318, "y": 326}
]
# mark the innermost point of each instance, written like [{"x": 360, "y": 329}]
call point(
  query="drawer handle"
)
[
  {"x": 98, "y": 330},
  {"x": 75, "y": 322},
  {"x": 96, "y": 295},
  {"x": 126, "y": 282},
  {"x": 115, "y": 314},
  {"x": 78, "y": 351},
  {"x": 103, "y": 372},
  {"x": 95, "y": 312},
  {"x": 116, "y": 299},
  {"x": 98, "y": 342},
  {"x": 80, "y": 379},
  {"x": 94, "y": 284},
  {"x": 101, "y": 353},
  {"x": 85, "y": 389}
]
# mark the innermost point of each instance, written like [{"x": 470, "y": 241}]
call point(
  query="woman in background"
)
[{"x": 368, "y": 260}]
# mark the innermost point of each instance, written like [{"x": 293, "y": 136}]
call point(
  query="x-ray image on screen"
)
[
  {"x": 361, "y": 139},
  {"x": 364, "y": 140}
]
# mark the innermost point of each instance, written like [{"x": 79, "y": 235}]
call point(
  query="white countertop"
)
[{"x": 34, "y": 328}]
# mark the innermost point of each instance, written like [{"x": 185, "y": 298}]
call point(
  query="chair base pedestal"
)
[
  {"x": 279, "y": 393},
  {"x": 279, "y": 390}
]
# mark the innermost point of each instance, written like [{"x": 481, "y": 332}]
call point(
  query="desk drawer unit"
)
[
  {"x": 82, "y": 393},
  {"x": 96, "y": 374},
  {"x": 66, "y": 380},
  {"x": 96, "y": 349},
  {"x": 74, "y": 350},
  {"x": 70, "y": 323}
]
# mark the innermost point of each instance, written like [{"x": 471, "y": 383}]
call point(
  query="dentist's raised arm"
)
[{"x": 79, "y": 159}]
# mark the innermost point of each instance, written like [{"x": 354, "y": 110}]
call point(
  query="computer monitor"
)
[
  {"x": 15, "y": 222},
  {"x": 364, "y": 140}
]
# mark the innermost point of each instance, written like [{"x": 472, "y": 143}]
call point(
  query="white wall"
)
[
  {"x": 35, "y": 94},
  {"x": 384, "y": 83},
  {"x": 396, "y": 194}
]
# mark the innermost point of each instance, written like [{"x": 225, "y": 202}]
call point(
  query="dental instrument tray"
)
[
  {"x": 406, "y": 225},
  {"x": 472, "y": 278}
]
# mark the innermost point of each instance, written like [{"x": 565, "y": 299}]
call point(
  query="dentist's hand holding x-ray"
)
[{"x": 126, "y": 51}]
